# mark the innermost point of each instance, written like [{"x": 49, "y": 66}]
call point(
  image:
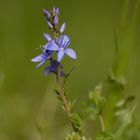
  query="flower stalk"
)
[
  {"x": 65, "y": 101},
  {"x": 57, "y": 44}
]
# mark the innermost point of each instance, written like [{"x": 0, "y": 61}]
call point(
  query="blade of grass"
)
[{"x": 124, "y": 45}]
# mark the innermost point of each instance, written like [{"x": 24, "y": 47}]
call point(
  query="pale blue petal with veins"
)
[{"x": 42, "y": 58}]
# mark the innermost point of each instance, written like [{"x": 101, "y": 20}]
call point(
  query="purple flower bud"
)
[
  {"x": 62, "y": 28},
  {"x": 46, "y": 13},
  {"x": 49, "y": 24},
  {"x": 55, "y": 11},
  {"x": 55, "y": 19},
  {"x": 47, "y": 36}
]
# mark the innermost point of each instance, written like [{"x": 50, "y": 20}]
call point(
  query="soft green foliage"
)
[
  {"x": 104, "y": 136},
  {"x": 125, "y": 116},
  {"x": 95, "y": 103},
  {"x": 75, "y": 136},
  {"x": 96, "y": 97}
]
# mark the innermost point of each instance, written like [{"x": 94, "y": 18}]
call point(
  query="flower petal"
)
[
  {"x": 38, "y": 58},
  {"x": 71, "y": 53},
  {"x": 62, "y": 28},
  {"x": 47, "y": 71},
  {"x": 48, "y": 53},
  {"x": 60, "y": 55},
  {"x": 40, "y": 64},
  {"x": 47, "y": 36},
  {"x": 52, "y": 46},
  {"x": 63, "y": 41}
]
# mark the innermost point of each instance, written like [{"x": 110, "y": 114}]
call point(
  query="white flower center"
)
[{"x": 62, "y": 49}]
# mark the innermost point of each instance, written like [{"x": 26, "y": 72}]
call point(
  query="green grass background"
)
[{"x": 28, "y": 106}]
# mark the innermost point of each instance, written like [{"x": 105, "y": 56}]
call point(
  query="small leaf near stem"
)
[{"x": 67, "y": 75}]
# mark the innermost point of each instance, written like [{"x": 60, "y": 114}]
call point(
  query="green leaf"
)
[
  {"x": 58, "y": 95},
  {"x": 77, "y": 123},
  {"x": 72, "y": 103},
  {"x": 68, "y": 75},
  {"x": 122, "y": 103}
]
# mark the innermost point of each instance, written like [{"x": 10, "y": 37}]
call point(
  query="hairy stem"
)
[{"x": 67, "y": 107}]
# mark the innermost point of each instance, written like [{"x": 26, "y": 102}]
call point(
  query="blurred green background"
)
[{"x": 28, "y": 105}]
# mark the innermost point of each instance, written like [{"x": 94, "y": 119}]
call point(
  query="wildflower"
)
[
  {"x": 58, "y": 43},
  {"x": 61, "y": 48}
]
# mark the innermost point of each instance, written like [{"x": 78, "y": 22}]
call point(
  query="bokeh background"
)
[{"x": 28, "y": 106}]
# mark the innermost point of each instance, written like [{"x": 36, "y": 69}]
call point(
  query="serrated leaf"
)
[{"x": 76, "y": 123}]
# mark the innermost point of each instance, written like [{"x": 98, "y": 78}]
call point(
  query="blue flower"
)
[
  {"x": 60, "y": 46},
  {"x": 43, "y": 57},
  {"x": 53, "y": 68},
  {"x": 58, "y": 43}
]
